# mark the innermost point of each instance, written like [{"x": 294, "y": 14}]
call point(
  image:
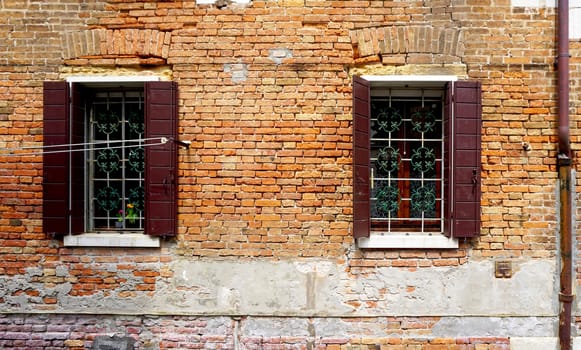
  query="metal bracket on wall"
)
[{"x": 503, "y": 269}]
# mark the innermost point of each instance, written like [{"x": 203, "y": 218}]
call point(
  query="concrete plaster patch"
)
[
  {"x": 97, "y": 302},
  {"x": 238, "y": 71},
  {"x": 324, "y": 288},
  {"x": 469, "y": 289},
  {"x": 534, "y": 343},
  {"x": 321, "y": 288},
  {"x": 255, "y": 287},
  {"x": 12, "y": 287},
  {"x": 62, "y": 271},
  {"x": 279, "y": 55},
  {"x": 322, "y": 268},
  {"x": 495, "y": 327},
  {"x": 34, "y": 271},
  {"x": 63, "y": 289}
]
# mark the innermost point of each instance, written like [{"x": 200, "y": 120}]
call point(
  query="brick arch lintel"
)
[
  {"x": 423, "y": 40},
  {"x": 119, "y": 46}
]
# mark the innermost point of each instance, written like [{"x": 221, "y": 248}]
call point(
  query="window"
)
[
  {"x": 110, "y": 160},
  {"x": 416, "y": 157},
  {"x": 116, "y": 160}
]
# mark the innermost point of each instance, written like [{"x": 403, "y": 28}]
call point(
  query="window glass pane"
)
[{"x": 406, "y": 160}]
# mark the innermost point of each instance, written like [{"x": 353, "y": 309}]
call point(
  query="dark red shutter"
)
[
  {"x": 448, "y": 151},
  {"x": 361, "y": 153},
  {"x": 161, "y": 160},
  {"x": 63, "y": 167},
  {"x": 55, "y": 185},
  {"x": 464, "y": 168}
]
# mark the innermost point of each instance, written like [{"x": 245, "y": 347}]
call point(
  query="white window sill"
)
[
  {"x": 407, "y": 241},
  {"x": 121, "y": 240}
]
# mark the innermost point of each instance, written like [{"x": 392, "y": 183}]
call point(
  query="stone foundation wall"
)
[{"x": 184, "y": 332}]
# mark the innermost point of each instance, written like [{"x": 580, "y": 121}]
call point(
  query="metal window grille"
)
[
  {"x": 406, "y": 160},
  {"x": 116, "y": 161}
]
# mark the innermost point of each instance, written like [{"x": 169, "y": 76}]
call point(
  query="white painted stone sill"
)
[
  {"x": 407, "y": 241},
  {"x": 112, "y": 240}
]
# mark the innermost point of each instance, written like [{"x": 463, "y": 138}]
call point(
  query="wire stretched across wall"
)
[{"x": 85, "y": 146}]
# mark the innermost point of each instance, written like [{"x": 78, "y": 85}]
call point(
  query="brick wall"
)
[
  {"x": 269, "y": 169},
  {"x": 265, "y": 98},
  {"x": 79, "y": 332}
]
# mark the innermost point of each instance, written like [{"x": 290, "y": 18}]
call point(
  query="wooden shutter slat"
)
[
  {"x": 77, "y": 174},
  {"x": 361, "y": 154},
  {"x": 464, "y": 168},
  {"x": 161, "y": 160},
  {"x": 55, "y": 189}
]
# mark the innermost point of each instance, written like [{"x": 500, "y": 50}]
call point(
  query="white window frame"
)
[{"x": 410, "y": 240}]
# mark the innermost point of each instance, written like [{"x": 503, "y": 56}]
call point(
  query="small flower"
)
[
  {"x": 131, "y": 213},
  {"x": 120, "y": 215}
]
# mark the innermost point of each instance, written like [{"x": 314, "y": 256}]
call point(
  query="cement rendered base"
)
[{"x": 540, "y": 343}]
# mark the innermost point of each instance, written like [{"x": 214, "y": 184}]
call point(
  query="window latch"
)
[{"x": 474, "y": 177}]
